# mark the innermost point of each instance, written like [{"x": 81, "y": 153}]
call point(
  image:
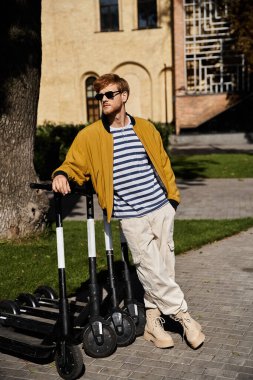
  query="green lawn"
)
[
  {"x": 214, "y": 165},
  {"x": 27, "y": 264}
]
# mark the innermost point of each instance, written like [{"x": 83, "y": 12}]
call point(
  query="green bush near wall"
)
[
  {"x": 52, "y": 142},
  {"x": 165, "y": 131}
]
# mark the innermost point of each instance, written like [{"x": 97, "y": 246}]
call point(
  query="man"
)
[{"x": 132, "y": 176}]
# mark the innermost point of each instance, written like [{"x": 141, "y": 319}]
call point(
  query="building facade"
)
[
  {"x": 82, "y": 39},
  {"x": 177, "y": 55}
]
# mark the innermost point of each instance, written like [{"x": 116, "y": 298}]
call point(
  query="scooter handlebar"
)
[
  {"x": 41, "y": 186},
  {"x": 48, "y": 187}
]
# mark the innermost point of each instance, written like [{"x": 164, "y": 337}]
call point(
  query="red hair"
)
[{"x": 106, "y": 79}]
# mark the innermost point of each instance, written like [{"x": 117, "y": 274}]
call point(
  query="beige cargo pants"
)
[{"x": 150, "y": 240}]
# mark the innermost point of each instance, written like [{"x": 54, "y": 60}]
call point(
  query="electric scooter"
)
[
  {"x": 99, "y": 339},
  {"x": 122, "y": 323},
  {"x": 135, "y": 309},
  {"x": 39, "y": 338}
]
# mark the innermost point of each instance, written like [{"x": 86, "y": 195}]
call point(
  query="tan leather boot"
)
[
  {"x": 154, "y": 331},
  {"x": 192, "y": 329}
]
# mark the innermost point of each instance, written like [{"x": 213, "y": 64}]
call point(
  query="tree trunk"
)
[{"x": 22, "y": 210}]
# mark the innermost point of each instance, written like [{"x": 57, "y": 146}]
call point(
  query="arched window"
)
[{"x": 92, "y": 105}]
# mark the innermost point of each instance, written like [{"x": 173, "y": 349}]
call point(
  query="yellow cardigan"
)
[{"x": 91, "y": 156}]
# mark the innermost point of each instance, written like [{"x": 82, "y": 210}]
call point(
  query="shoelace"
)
[
  {"x": 159, "y": 321},
  {"x": 183, "y": 321}
]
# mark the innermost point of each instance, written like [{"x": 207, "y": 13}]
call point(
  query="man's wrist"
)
[{"x": 60, "y": 172}]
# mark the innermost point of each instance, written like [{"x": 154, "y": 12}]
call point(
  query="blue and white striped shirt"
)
[{"x": 136, "y": 188}]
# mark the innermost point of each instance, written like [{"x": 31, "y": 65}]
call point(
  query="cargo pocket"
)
[{"x": 171, "y": 259}]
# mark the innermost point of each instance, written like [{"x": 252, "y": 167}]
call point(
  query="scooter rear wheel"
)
[
  {"x": 95, "y": 350},
  {"x": 27, "y": 299},
  {"x": 69, "y": 361},
  {"x": 9, "y": 306},
  {"x": 45, "y": 291}
]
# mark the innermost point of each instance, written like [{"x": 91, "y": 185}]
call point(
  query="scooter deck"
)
[
  {"x": 42, "y": 312},
  {"x": 74, "y": 306},
  {"x": 27, "y": 323},
  {"x": 79, "y": 311},
  {"x": 17, "y": 343}
]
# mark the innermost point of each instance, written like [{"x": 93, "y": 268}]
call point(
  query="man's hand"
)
[{"x": 60, "y": 184}]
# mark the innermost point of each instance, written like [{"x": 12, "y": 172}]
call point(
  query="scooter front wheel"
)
[
  {"x": 103, "y": 345},
  {"x": 69, "y": 361},
  {"x": 139, "y": 319},
  {"x": 124, "y": 328}
]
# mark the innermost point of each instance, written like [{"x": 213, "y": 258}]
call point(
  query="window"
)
[
  {"x": 91, "y": 103},
  {"x": 109, "y": 15},
  {"x": 212, "y": 63},
  {"x": 147, "y": 14}
]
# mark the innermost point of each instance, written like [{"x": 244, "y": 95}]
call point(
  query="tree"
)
[
  {"x": 240, "y": 16},
  {"x": 22, "y": 210}
]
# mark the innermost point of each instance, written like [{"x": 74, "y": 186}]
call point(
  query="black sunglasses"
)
[{"x": 108, "y": 94}]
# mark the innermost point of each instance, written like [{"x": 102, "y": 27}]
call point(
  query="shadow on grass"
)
[
  {"x": 190, "y": 170},
  {"x": 215, "y": 165}
]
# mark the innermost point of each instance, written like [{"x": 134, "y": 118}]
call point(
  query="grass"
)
[
  {"x": 192, "y": 234},
  {"x": 214, "y": 165},
  {"x": 27, "y": 264}
]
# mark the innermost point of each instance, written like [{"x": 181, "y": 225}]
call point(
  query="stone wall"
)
[{"x": 192, "y": 111}]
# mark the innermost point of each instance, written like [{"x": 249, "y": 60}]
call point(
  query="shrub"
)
[
  {"x": 52, "y": 142},
  {"x": 165, "y": 131}
]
